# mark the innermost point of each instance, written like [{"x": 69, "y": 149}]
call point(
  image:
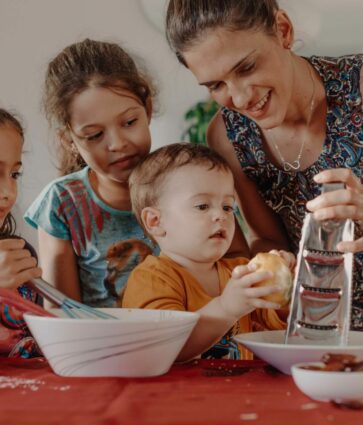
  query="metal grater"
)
[{"x": 321, "y": 300}]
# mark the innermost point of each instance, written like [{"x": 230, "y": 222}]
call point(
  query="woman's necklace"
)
[{"x": 295, "y": 165}]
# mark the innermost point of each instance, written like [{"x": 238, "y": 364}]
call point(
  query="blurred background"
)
[{"x": 33, "y": 31}]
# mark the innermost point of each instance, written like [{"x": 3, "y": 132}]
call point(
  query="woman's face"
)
[{"x": 247, "y": 71}]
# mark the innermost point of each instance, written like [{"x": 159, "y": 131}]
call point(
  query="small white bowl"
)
[
  {"x": 323, "y": 385},
  {"x": 141, "y": 343}
]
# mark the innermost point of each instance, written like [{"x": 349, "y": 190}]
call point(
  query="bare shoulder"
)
[
  {"x": 217, "y": 139},
  {"x": 216, "y": 133}
]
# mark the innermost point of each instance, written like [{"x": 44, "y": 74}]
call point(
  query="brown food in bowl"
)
[
  {"x": 338, "y": 363},
  {"x": 282, "y": 276}
]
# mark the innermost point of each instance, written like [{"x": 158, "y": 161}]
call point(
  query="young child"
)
[
  {"x": 18, "y": 263},
  {"x": 89, "y": 239},
  {"x": 183, "y": 194}
]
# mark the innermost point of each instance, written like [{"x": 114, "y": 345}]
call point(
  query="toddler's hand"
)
[
  {"x": 240, "y": 297},
  {"x": 17, "y": 266}
]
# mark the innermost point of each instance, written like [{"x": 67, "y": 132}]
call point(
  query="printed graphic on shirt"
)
[
  {"x": 118, "y": 257},
  {"x": 79, "y": 212},
  {"x": 108, "y": 243}
]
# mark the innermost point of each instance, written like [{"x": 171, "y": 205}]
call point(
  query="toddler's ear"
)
[{"x": 150, "y": 217}]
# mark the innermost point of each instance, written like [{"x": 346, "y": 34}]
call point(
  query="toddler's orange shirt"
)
[{"x": 161, "y": 283}]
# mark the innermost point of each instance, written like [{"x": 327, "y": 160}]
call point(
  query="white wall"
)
[
  {"x": 33, "y": 31},
  {"x": 326, "y": 27}
]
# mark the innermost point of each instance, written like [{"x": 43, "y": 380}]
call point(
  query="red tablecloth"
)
[{"x": 202, "y": 392}]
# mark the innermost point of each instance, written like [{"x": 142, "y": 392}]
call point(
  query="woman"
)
[{"x": 287, "y": 123}]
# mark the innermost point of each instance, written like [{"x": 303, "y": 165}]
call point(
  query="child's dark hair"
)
[
  {"x": 187, "y": 21},
  {"x": 79, "y": 66},
  {"x": 147, "y": 178},
  {"x": 7, "y": 118}
]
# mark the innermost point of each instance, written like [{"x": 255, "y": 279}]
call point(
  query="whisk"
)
[{"x": 71, "y": 308}]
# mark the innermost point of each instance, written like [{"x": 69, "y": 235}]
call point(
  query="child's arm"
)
[
  {"x": 17, "y": 266},
  {"x": 239, "y": 246},
  {"x": 58, "y": 261},
  {"x": 218, "y": 316}
]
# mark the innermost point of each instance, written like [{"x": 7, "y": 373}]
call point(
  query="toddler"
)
[{"x": 183, "y": 195}]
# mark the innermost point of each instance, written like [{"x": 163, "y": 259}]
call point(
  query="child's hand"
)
[
  {"x": 17, "y": 266},
  {"x": 240, "y": 297},
  {"x": 289, "y": 257}
]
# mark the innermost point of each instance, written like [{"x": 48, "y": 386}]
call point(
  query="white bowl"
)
[
  {"x": 326, "y": 386},
  {"x": 269, "y": 346},
  {"x": 141, "y": 343}
]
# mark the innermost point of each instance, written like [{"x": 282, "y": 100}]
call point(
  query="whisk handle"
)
[{"x": 48, "y": 291}]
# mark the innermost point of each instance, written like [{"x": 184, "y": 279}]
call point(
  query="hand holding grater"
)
[{"x": 321, "y": 300}]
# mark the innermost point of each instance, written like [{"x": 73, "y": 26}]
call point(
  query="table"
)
[{"x": 213, "y": 392}]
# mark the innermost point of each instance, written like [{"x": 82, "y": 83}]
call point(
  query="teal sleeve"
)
[{"x": 44, "y": 212}]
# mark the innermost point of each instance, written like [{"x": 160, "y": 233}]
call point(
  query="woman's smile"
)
[{"x": 260, "y": 105}]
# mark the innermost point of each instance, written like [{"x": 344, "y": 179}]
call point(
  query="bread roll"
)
[{"x": 282, "y": 276}]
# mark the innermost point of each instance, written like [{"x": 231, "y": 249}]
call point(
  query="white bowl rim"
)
[
  {"x": 188, "y": 316},
  {"x": 240, "y": 338}
]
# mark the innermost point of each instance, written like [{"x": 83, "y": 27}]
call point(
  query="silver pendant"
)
[{"x": 294, "y": 166}]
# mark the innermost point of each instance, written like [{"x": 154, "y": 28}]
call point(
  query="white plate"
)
[
  {"x": 326, "y": 386},
  {"x": 269, "y": 346}
]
